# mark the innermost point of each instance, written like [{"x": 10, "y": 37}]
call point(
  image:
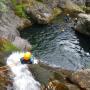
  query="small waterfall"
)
[{"x": 23, "y": 79}]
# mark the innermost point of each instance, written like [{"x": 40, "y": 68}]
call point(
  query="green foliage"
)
[
  {"x": 6, "y": 46},
  {"x": 19, "y": 9}
]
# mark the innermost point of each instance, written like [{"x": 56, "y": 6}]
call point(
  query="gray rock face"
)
[
  {"x": 9, "y": 23},
  {"x": 83, "y": 25}
]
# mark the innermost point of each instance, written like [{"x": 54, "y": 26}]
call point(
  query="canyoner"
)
[{"x": 23, "y": 79}]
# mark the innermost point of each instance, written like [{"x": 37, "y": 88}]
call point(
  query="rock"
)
[
  {"x": 85, "y": 16},
  {"x": 53, "y": 78},
  {"x": 42, "y": 13},
  {"x": 56, "y": 85},
  {"x": 5, "y": 82},
  {"x": 40, "y": 73},
  {"x": 79, "y": 2},
  {"x": 83, "y": 24},
  {"x": 8, "y": 25},
  {"x": 81, "y": 78},
  {"x": 24, "y": 24},
  {"x": 21, "y": 43},
  {"x": 70, "y": 6},
  {"x": 72, "y": 86}
]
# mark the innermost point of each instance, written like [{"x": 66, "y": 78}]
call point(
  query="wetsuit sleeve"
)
[{"x": 22, "y": 61}]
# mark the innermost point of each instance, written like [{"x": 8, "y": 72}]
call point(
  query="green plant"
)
[
  {"x": 19, "y": 8},
  {"x": 7, "y": 46}
]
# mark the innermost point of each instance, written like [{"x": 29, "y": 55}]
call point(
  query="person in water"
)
[
  {"x": 27, "y": 58},
  {"x": 66, "y": 18}
]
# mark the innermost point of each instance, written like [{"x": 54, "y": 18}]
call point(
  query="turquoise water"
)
[{"x": 59, "y": 45}]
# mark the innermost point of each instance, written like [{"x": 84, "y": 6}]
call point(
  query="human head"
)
[{"x": 27, "y": 55}]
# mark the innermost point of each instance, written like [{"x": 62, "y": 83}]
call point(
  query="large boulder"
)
[
  {"x": 41, "y": 13},
  {"x": 83, "y": 24}
]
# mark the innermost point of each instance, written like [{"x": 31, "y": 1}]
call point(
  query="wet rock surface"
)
[{"x": 56, "y": 78}]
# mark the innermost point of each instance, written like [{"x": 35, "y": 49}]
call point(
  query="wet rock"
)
[
  {"x": 82, "y": 78},
  {"x": 83, "y": 25}
]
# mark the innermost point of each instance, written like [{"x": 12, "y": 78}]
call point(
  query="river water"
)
[{"x": 59, "y": 45}]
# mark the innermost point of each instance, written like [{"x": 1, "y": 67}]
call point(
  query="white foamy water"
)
[{"x": 23, "y": 79}]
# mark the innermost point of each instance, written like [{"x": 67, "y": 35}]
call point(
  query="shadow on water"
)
[
  {"x": 58, "y": 45},
  {"x": 84, "y": 42}
]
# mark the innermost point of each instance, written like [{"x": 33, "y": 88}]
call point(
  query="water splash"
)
[{"x": 23, "y": 79}]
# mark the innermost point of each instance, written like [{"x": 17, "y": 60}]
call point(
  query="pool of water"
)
[{"x": 59, "y": 45}]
